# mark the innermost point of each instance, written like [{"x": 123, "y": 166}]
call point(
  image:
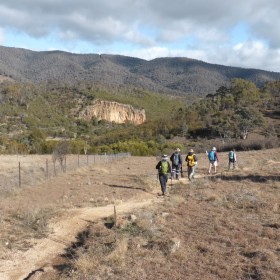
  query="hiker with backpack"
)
[
  {"x": 191, "y": 160},
  {"x": 163, "y": 167},
  {"x": 231, "y": 159},
  {"x": 213, "y": 160},
  {"x": 176, "y": 160}
]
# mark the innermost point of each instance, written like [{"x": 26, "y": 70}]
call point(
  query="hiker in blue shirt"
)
[
  {"x": 176, "y": 160},
  {"x": 213, "y": 159}
]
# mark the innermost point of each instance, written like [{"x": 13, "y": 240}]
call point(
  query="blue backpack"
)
[
  {"x": 211, "y": 156},
  {"x": 175, "y": 159},
  {"x": 231, "y": 155}
]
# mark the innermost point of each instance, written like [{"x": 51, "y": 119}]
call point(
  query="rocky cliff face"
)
[{"x": 113, "y": 112}]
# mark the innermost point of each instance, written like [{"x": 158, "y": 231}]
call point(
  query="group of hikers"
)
[{"x": 164, "y": 168}]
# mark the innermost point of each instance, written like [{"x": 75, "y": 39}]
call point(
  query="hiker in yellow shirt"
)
[{"x": 191, "y": 160}]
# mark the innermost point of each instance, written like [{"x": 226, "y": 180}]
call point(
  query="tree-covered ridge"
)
[
  {"x": 179, "y": 76},
  {"x": 34, "y": 116},
  {"x": 32, "y": 113},
  {"x": 236, "y": 110}
]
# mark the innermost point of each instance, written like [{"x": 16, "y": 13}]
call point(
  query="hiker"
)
[
  {"x": 176, "y": 160},
  {"x": 213, "y": 160},
  {"x": 191, "y": 160},
  {"x": 231, "y": 159},
  {"x": 164, "y": 168}
]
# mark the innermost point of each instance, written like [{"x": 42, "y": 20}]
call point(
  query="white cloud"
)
[
  {"x": 249, "y": 54},
  {"x": 151, "y": 28}
]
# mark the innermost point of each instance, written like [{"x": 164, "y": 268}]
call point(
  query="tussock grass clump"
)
[
  {"x": 117, "y": 257},
  {"x": 145, "y": 226},
  {"x": 8, "y": 191},
  {"x": 35, "y": 219},
  {"x": 245, "y": 199},
  {"x": 177, "y": 199},
  {"x": 86, "y": 262},
  {"x": 19, "y": 227}
]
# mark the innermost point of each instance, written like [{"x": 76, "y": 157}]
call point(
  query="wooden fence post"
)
[
  {"x": 47, "y": 168},
  {"x": 115, "y": 216},
  {"x": 19, "y": 175},
  {"x": 54, "y": 170}
]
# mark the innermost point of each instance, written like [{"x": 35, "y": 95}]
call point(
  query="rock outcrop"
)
[{"x": 113, "y": 112}]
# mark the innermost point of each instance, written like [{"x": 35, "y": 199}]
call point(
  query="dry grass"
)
[
  {"x": 20, "y": 228},
  {"x": 117, "y": 257},
  {"x": 35, "y": 219},
  {"x": 217, "y": 227},
  {"x": 223, "y": 227},
  {"x": 177, "y": 200}
]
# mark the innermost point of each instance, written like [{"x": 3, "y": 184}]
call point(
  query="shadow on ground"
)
[{"x": 252, "y": 177}]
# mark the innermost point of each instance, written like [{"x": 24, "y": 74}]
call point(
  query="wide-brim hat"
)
[
  {"x": 214, "y": 149},
  {"x": 191, "y": 151},
  {"x": 178, "y": 150},
  {"x": 165, "y": 157}
]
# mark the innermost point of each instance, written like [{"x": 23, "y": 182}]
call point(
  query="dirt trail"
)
[
  {"x": 129, "y": 184},
  {"x": 64, "y": 232},
  {"x": 124, "y": 189}
]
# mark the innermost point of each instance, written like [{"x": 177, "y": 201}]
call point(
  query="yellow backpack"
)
[{"x": 190, "y": 160}]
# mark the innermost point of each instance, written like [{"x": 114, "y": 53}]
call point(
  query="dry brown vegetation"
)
[{"x": 225, "y": 226}]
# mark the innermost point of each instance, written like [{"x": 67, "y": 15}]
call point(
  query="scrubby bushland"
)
[{"x": 34, "y": 114}]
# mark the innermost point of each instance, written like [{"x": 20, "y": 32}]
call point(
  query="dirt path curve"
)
[
  {"x": 130, "y": 183},
  {"x": 64, "y": 232},
  {"x": 124, "y": 182}
]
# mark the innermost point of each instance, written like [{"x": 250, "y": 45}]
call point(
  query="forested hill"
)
[{"x": 176, "y": 76}]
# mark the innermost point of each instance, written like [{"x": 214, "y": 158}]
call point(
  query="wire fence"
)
[{"x": 18, "y": 171}]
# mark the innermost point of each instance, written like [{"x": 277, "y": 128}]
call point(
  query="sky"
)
[{"x": 243, "y": 33}]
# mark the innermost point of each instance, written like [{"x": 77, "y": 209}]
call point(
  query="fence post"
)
[
  {"x": 47, "y": 168},
  {"x": 19, "y": 175},
  {"x": 54, "y": 170},
  {"x": 115, "y": 216}
]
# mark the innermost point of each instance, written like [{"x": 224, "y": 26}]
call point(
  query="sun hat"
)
[
  {"x": 165, "y": 157},
  {"x": 191, "y": 150},
  {"x": 177, "y": 150},
  {"x": 213, "y": 149}
]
